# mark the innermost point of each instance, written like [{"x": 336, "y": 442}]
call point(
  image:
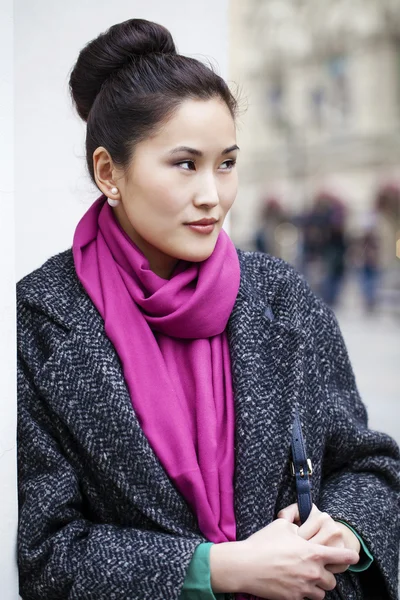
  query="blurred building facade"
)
[{"x": 319, "y": 82}]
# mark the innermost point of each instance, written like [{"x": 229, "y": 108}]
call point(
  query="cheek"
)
[
  {"x": 229, "y": 192},
  {"x": 166, "y": 200}
]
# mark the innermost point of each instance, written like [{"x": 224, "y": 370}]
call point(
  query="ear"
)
[{"x": 104, "y": 172}]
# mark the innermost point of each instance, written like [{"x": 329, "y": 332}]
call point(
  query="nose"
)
[{"x": 207, "y": 193}]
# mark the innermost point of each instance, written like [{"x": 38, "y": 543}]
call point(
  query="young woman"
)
[{"x": 160, "y": 370}]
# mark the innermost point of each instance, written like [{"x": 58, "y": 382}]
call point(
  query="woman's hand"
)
[
  {"x": 320, "y": 528},
  {"x": 276, "y": 563}
]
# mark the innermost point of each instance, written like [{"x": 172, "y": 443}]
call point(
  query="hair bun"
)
[{"x": 111, "y": 51}]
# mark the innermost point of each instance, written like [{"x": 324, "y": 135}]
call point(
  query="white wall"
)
[
  {"x": 52, "y": 188},
  {"x": 8, "y": 500}
]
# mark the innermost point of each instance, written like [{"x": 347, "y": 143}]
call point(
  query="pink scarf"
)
[{"x": 170, "y": 337}]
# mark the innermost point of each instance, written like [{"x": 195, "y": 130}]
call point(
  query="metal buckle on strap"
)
[{"x": 309, "y": 469}]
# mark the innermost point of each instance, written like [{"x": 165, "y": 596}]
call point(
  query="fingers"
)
[
  {"x": 349, "y": 538},
  {"x": 319, "y": 592},
  {"x": 315, "y": 594},
  {"x": 329, "y": 535},
  {"x": 328, "y": 581},
  {"x": 320, "y": 578},
  {"x": 336, "y": 556},
  {"x": 321, "y": 581},
  {"x": 316, "y": 521},
  {"x": 290, "y": 513},
  {"x": 335, "y": 569}
]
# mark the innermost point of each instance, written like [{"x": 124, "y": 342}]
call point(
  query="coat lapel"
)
[
  {"x": 92, "y": 404},
  {"x": 266, "y": 354}
]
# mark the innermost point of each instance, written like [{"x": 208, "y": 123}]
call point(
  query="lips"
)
[
  {"x": 203, "y": 226},
  {"x": 203, "y": 222}
]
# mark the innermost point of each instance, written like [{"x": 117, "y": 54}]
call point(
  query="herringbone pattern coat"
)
[{"x": 99, "y": 517}]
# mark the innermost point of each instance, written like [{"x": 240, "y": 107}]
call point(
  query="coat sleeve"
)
[
  {"x": 61, "y": 554},
  {"x": 360, "y": 478}
]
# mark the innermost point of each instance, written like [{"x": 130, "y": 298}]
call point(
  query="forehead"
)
[{"x": 201, "y": 124}]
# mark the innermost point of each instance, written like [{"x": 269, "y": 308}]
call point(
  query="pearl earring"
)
[{"x": 111, "y": 201}]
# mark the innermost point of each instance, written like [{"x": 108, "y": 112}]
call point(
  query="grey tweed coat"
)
[{"x": 99, "y": 517}]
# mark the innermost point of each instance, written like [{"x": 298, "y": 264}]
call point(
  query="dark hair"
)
[{"x": 129, "y": 80}]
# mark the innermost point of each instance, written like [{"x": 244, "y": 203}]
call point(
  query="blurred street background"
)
[{"x": 319, "y": 131}]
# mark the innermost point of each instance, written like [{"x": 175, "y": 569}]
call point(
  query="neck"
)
[
  {"x": 162, "y": 270},
  {"x": 160, "y": 263}
]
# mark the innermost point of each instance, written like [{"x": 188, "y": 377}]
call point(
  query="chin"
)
[{"x": 199, "y": 253}]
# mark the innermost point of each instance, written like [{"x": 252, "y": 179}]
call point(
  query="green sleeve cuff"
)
[
  {"x": 197, "y": 584},
  {"x": 366, "y": 558}
]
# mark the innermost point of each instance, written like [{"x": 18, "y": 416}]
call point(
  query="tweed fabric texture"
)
[{"x": 99, "y": 517}]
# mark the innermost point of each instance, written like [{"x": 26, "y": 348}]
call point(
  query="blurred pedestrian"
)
[
  {"x": 370, "y": 267},
  {"x": 387, "y": 223},
  {"x": 271, "y": 217},
  {"x": 375, "y": 253},
  {"x": 334, "y": 251},
  {"x": 334, "y": 265},
  {"x": 324, "y": 245}
]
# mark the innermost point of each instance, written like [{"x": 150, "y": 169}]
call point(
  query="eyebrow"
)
[{"x": 195, "y": 152}]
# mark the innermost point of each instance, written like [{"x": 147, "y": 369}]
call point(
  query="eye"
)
[
  {"x": 228, "y": 165},
  {"x": 191, "y": 167}
]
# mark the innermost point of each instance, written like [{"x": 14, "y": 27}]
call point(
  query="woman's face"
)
[{"x": 182, "y": 175}]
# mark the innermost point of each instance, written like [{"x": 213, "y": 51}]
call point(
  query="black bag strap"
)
[{"x": 301, "y": 470}]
